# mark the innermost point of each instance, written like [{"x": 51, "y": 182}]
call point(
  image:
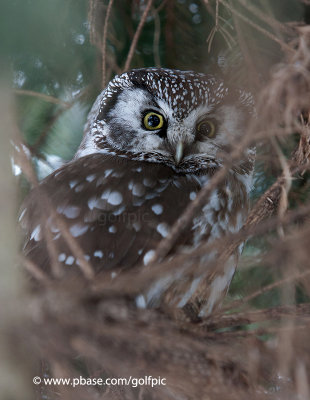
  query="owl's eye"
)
[
  {"x": 153, "y": 121},
  {"x": 206, "y": 128}
]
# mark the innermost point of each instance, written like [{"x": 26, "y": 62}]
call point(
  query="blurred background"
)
[
  {"x": 56, "y": 57},
  {"x": 59, "y": 49},
  {"x": 55, "y": 48}
]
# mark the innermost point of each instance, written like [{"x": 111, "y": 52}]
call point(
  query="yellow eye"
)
[
  {"x": 153, "y": 121},
  {"x": 206, "y": 128}
]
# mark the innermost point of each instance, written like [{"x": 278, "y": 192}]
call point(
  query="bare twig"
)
[
  {"x": 90, "y": 17},
  {"x": 285, "y": 188},
  {"x": 42, "y": 96},
  {"x": 137, "y": 35},
  {"x": 35, "y": 270},
  {"x": 265, "y": 17},
  {"x": 221, "y": 320},
  {"x": 215, "y": 28},
  {"x": 104, "y": 42},
  {"x": 283, "y": 45},
  {"x": 295, "y": 277},
  {"x": 156, "y": 39}
]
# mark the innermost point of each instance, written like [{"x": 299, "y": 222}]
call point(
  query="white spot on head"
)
[
  {"x": 157, "y": 209},
  {"x": 148, "y": 257}
]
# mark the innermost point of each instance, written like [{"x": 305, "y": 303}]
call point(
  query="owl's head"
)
[{"x": 183, "y": 119}]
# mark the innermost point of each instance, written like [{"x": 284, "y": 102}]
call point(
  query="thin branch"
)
[
  {"x": 161, "y": 6},
  {"x": 260, "y": 331},
  {"x": 253, "y": 73},
  {"x": 265, "y": 17},
  {"x": 42, "y": 96},
  {"x": 271, "y": 286},
  {"x": 91, "y": 13},
  {"x": 156, "y": 39},
  {"x": 215, "y": 28},
  {"x": 230, "y": 25},
  {"x": 259, "y": 28},
  {"x": 227, "y": 37},
  {"x": 137, "y": 35},
  {"x": 35, "y": 271},
  {"x": 285, "y": 188},
  {"x": 104, "y": 42},
  {"x": 219, "y": 321},
  {"x": 41, "y": 138}
]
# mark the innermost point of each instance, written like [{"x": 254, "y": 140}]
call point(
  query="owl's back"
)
[{"x": 117, "y": 210}]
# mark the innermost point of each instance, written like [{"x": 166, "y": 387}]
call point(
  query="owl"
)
[{"x": 153, "y": 138}]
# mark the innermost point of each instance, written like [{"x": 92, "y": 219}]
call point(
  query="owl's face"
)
[{"x": 183, "y": 119}]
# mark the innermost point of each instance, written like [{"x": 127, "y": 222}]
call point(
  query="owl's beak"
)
[{"x": 179, "y": 151}]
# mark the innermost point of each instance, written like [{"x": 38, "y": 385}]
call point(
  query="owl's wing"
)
[{"x": 115, "y": 209}]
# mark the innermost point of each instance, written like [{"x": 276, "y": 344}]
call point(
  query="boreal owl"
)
[{"x": 153, "y": 139}]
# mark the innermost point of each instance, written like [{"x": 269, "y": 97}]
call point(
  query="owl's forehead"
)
[{"x": 183, "y": 91}]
